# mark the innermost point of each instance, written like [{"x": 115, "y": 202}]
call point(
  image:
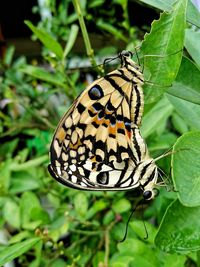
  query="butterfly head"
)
[
  {"x": 150, "y": 192},
  {"x": 127, "y": 62},
  {"x": 148, "y": 178}
]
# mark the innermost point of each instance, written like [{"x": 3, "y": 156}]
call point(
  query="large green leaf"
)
[
  {"x": 192, "y": 41},
  {"x": 179, "y": 229},
  {"x": 10, "y": 253},
  {"x": 187, "y": 82},
  {"x": 161, "y": 4},
  {"x": 47, "y": 40},
  {"x": 162, "y": 50},
  {"x": 193, "y": 15},
  {"x": 186, "y": 168},
  {"x": 188, "y": 111}
]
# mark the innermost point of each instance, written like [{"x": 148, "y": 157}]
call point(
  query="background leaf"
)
[
  {"x": 193, "y": 15},
  {"x": 44, "y": 75},
  {"x": 186, "y": 85},
  {"x": 192, "y": 40},
  {"x": 46, "y": 39},
  {"x": 188, "y": 111},
  {"x": 14, "y": 251},
  {"x": 185, "y": 171},
  {"x": 157, "y": 115},
  {"x": 179, "y": 229}
]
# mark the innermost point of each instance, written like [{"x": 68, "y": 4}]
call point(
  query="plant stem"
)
[
  {"x": 107, "y": 247},
  {"x": 89, "y": 50}
]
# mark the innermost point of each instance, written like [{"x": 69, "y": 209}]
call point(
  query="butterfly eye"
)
[
  {"x": 95, "y": 93},
  {"x": 147, "y": 195}
]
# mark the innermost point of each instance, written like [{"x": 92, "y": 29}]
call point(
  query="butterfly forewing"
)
[{"x": 97, "y": 145}]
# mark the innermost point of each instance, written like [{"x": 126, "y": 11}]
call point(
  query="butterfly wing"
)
[{"x": 93, "y": 145}]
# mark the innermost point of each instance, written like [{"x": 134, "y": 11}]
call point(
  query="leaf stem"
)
[{"x": 89, "y": 50}]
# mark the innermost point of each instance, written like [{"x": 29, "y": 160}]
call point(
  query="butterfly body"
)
[{"x": 98, "y": 145}]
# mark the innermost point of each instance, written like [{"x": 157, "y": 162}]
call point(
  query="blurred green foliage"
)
[{"x": 42, "y": 223}]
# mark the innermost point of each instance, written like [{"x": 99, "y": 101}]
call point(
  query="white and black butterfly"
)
[{"x": 97, "y": 144}]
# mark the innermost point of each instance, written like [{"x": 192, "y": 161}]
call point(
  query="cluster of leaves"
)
[{"x": 45, "y": 224}]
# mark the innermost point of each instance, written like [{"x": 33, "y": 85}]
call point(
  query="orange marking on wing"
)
[
  {"x": 93, "y": 159},
  {"x": 129, "y": 134},
  {"x": 120, "y": 124},
  {"x": 105, "y": 121},
  {"x": 61, "y": 134},
  {"x": 112, "y": 130},
  {"x": 76, "y": 145}
]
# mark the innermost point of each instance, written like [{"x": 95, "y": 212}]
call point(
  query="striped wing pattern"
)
[{"x": 98, "y": 145}]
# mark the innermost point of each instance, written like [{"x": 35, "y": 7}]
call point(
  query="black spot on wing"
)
[
  {"x": 80, "y": 108},
  {"x": 97, "y": 106},
  {"x": 102, "y": 178},
  {"x": 95, "y": 92}
]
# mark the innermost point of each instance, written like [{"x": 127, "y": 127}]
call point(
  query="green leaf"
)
[
  {"x": 47, "y": 40},
  {"x": 19, "y": 237},
  {"x": 39, "y": 214},
  {"x": 179, "y": 229},
  {"x": 28, "y": 164},
  {"x": 5, "y": 176},
  {"x": 41, "y": 74},
  {"x": 71, "y": 39},
  {"x": 58, "y": 263},
  {"x": 187, "y": 82},
  {"x": 9, "y": 55},
  {"x": 98, "y": 258},
  {"x": 10, "y": 253},
  {"x": 141, "y": 261},
  {"x": 193, "y": 15},
  {"x": 186, "y": 168},
  {"x": 108, "y": 217},
  {"x": 192, "y": 41},
  {"x": 159, "y": 113},
  {"x": 81, "y": 204},
  {"x": 23, "y": 181},
  {"x": 188, "y": 111},
  {"x": 111, "y": 29},
  {"x": 161, "y": 4},
  {"x": 174, "y": 260},
  {"x": 162, "y": 142},
  {"x": 162, "y": 50},
  {"x": 138, "y": 228},
  {"x": 28, "y": 202},
  {"x": 121, "y": 205},
  {"x": 11, "y": 213},
  {"x": 121, "y": 261},
  {"x": 179, "y": 123},
  {"x": 96, "y": 207},
  {"x": 137, "y": 249}
]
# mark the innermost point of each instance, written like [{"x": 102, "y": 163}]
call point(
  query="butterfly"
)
[{"x": 97, "y": 144}]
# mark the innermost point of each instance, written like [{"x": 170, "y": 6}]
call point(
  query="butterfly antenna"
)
[
  {"x": 129, "y": 218},
  {"x": 108, "y": 60}
]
